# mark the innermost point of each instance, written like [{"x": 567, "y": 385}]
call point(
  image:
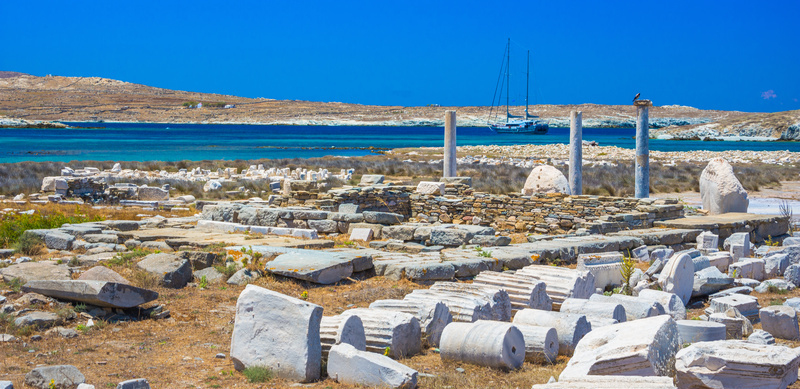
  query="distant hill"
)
[{"x": 59, "y": 98}]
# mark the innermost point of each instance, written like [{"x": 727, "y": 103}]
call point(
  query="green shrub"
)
[
  {"x": 12, "y": 226},
  {"x": 28, "y": 244},
  {"x": 257, "y": 374}
]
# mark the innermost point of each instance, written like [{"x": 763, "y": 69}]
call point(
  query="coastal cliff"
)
[{"x": 756, "y": 126}]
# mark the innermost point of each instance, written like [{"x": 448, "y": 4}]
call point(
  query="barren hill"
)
[{"x": 100, "y": 99}]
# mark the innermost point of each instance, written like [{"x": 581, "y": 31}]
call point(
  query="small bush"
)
[
  {"x": 257, "y": 374},
  {"x": 227, "y": 271},
  {"x": 144, "y": 279},
  {"x": 28, "y": 244}
]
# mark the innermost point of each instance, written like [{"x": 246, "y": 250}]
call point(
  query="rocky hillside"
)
[
  {"x": 100, "y": 99},
  {"x": 762, "y": 126}
]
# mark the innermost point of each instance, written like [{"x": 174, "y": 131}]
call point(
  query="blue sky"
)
[{"x": 732, "y": 55}]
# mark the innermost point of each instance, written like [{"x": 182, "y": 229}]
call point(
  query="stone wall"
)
[{"x": 539, "y": 213}]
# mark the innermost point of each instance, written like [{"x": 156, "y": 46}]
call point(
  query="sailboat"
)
[{"x": 527, "y": 124}]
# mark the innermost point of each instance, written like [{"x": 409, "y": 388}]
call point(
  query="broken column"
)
[
  {"x": 397, "y": 331},
  {"x": 432, "y": 316},
  {"x": 523, "y": 291},
  {"x": 463, "y": 308},
  {"x": 693, "y": 331},
  {"x": 609, "y": 310},
  {"x": 339, "y": 329},
  {"x": 570, "y": 327},
  {"x": 541, "y": 343},
  {"x": 501, "y": 304},
  {"x": 642, "y": 174},
  {"x": 635, "y": 308},
  {"x": 562, "y": 283},
  {"x": 484, "y": 343},
  {"x": 450, "y": 144},
  {"x": 576, "y": 152},
  {"x": 350, "y": 366}
]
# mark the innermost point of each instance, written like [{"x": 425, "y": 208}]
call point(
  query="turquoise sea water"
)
[{"x": 172, "y": 142}]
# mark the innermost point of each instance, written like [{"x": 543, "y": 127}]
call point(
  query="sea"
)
[{"x": 197, "y": 142}]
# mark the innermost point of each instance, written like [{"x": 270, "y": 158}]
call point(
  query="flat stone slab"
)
[
  {"x": 315, "y": 266},
  {"x": 30, "y": 271},
  {"x": 99, "y": 293},
  {"x": 728, "y": 223}
]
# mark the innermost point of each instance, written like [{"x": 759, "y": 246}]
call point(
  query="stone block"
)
[
  {"x": 385, "y": 218},
  {"x": 172, "y": 271},
  {"x": 780, "y": 321},
  {"x": 748, "y": 268},
  {"x": 99, "y": 293},
  {"x": 693, "y": 331},
  {"x": 720, "y": 190},
  {"x": 61, "y": 376},
  {"x": 678, "y": 277},
  {"x": 605, "y": 267},
  {"x": 57, "y": 240},
  {"x": 570, "y": 328},
  {"x": 288, "y": 343},
  {"x": 350, "y": 366}
]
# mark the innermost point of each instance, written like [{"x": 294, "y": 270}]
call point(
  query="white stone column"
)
[
  {"x": 576, "y": 152},
  {"x": 642, "y": 189},
  {"x": 449, "y": 144}
]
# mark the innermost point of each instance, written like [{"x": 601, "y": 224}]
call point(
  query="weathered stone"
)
[
  {"x": 433, "y": 316},
  {"x": 499, "y": 302},
  {"x": 199, "y": 259},
  {"x": 172, "y": 271},
  {"x": 484, "y": 343},
  {"x": 490, "y": 241},
  {"x": 430, "y": 188},
  {"x": 570, "y": 328},
  {"x": 386, "y": 218},
  {"x": 288, "y": 342},
  {"x": 147, "y": 193},
  {"x": 61, "y": 376},
  {"x": 523, "y": 291},
  {"x": 774, "y": 285},
  {"x": 450, "y": 236},
  {"x": 364, "y": 234},
  {"x": 643, "y": 347},
  {"x": 371, "y": 179},
  {"x": 350, "y": 366},
  {"x": 746, "y": 305},
  {"x": 780, "y": 321},
  {"x": 678, "y": 277},
  {"x": 635, "y": 307},
  {"x": 101, "y": 238},
  {"x": 609, "y": 382},
  {"x": 37, "y": 319},
  {"x": 693, "y": 331},
  {"x": 400, "y": 232},
  {"x": 736, "y": 364},
  {"x": 545, "y": 179},
  {"x": 99, "y": 293},
  {"x": 210, "y": 274},
  {"x": 102, "y": 273},
  {"x": 775, "y": 265},
  {"x": 672, "y": 304},
  {"x": 748, "y": 268},
  {"x": 562, "y": 283},
  {"x": 606, "y": 310},
  {"x": 720, "y": 190},
  {"x": 792, "y": 274},
  {"x": 707, "y": 241},
  {"x": 420, "y": 271},
  {"x": 737, "y": 325},
  {"x": 62, "y": 332},
  {"x": 31, "y": 271},
  {"x": 338, "y": 329},
  {"x": 6, "y": 385},
  {"x": 710, "y": 280},
  {"x": 57, "y": 240},
  {"x": 315, "y": 266},
  {"x": 324, "y": 226},
  {"x": 721, "y": 260},
  {"x": 605, "y": 267},
  {"x": 243, "y": 277},
  {"x": 761, "y": 337},
  {"x": 541, "y": 343},
  {"x": 398, "y": 331},
  {"x": 138, "y": 383}
]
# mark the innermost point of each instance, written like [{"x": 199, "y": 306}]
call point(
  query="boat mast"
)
[
  {"x": 527, "y": 83},
  {"x": 508, "y": 61}
]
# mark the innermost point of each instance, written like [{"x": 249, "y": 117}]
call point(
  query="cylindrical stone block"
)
[
  {"x": 398, "y": 331},
  {"x": 642, "y": 173},
  {"x": 524, "y": 291},
  {"x": 603, "y": 310},
  {"x": 693, "y": 331},
  {"x": 484, "y": 343},
  {"x": 433, "y": 316},
  {"x": 541, "y": 343},
  {"x": 338, "y": 329},
  {"x": 570, "y": 327},
  {"x": 576, "y": 152},
  {"x": 635, "y": 308},
  {"x": 463, "y": 308},
  {"x": 673, "y": 305},
  {"x": 599, "y": 322},
  {"x": 500, "y": 302},
  {"x": 450, "y": 144}
]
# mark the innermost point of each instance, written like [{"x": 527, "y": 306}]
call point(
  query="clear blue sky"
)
[{"x": 731, "y": 55}]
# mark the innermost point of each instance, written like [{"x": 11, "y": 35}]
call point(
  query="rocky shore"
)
[
  {"x": 23, "y": 123},
  {"x": 757, "y": 126}
]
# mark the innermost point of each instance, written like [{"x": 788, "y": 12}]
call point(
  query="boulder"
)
[
  {"x": 780, "y": 321},
  {"x": 644, "y": 347},
  {"x": 243, "y": 277},
  {"x": 99, "y": 293},
  {"x": 30, "y": 271},
  {"x": 172, "y": 271},
  {"x": 102, "y": 273},
  {"x": 736, "y": 364},
  {"x": 720, "y": 190},
  {"x": 211, "y": 275},
  {"x": 62, "y": 377},
  {"x": 277, "y": 331},
  {"x": 37, "y": 319},
  {"x": 350, "y": 366},
  {"x": 545, "y": 179},
  {"x": 678, "y": 277}
]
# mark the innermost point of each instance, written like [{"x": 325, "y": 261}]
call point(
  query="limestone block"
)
[
  {"x": 500, "y": 304},
  {"x": 570, "y": 328},
  {"x": 562, "y": 283},
  {"x": 56, "y": 240},
  {"x": 172, "y": 271},
  {"x": 737, "y": 325},
  {"x": 397, "y": 330},
  {"x": 450, "y": 237},
  {"x": 99, "y": 293},
  {"x": 721, "y": 260},
  {"x": 30, "y": 271},
  {"x": 364, "y": 234},
  {"x": 62, "y": 377},
  {"x": 710, "y": 280},
  {"x": 707, "y": 241},
  {"x": 635, "y": 307},
  {"x": 430, "y": 188},
  {"x": 319, "y": 267},
  {"x": 385, "y": 218},
  {"x": 420, "y": 271},
  {"x": 761, "y": 337},
  {"x": 780, "y": 321},
  {"x": 609, "y": 382},
  {"x": 641, "y": 254},
  {"x": 643, "y": 347},
  {"x": 212, "y": 185},
  {"x": 606, "y": 310},
  {"x": 673, "y": 305},
  {"x": 463, "y": 307},
  {"x": 545, "y": 179},
  {"x": 432, "y": 316},
  {"x": 146, "y": 193},
  {"x": 399, "y": 232},
  {"x": 278, "y": 332},
  {"x": 348, "y": 365},
  {"x": 371, "y": 179},
  {"x": 678, "y": 277},
  {"x": 720, "y": 190},
  {"x": 792, "y": 274},
  {"x": 484, "y": 343},
  {"x": 523, "y": 291},
  {"x": 746, "y": 305},
  {"x": 693, "y": 331},
  {"x": 339, "y": 329},
  {"x": 736, "y": 364},
  {"x": 775, "y": 265},
  {"x": 748, "y": 268},
  {"x": 324, "y": 226},
  {"x": 605, "y": 267}
]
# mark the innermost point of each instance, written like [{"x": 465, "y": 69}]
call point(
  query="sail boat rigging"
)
[{"x": 529, "y": 124}]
